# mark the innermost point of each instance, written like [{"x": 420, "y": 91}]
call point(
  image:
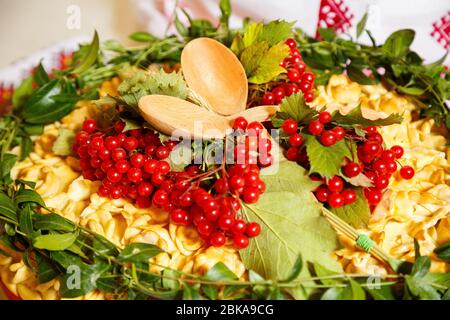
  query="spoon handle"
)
[{"x": 260, "y": 113}]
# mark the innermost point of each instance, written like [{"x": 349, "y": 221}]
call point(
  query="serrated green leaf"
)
[
  {"x": 285, "y": 207},
  {"x": 356, "y": 214},
  {"x": 252, "y": 34},
  {"x": 276, "y": 31},
  {"x": 326, "y": 161},
  {"x": 355, "y": 117},
  {"x": 294, "y": 107},
  {"x": 269, "y": 66},
  {"x": 361, "y": 180},
  {"x": 251, "y": 57},
  {"x": 63, "y": 143}
]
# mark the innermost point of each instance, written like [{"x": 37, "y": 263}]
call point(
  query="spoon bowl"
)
[{"x": 215, "y": 73}]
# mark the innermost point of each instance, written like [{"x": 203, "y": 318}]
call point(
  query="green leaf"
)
[
  {"x": 296, "y": 269},
  {"x": 438, "y": 278},
  {"x": 356, "y": 214},
  {"x": 191, "y": 292},
  {"x": 398, "y": 43},
  {"x": 356, "y": 74},
  {"x": 252, "y": 55},
  {"x": 361, "y": 180},
  {"x": 292, "y": 224},
  {"x": 353, "y": 291},
  {"x": 55, "y": 242},
  {"x": 252, "y": 34},
  {"x": 46, "y": 270},
  {"x": 413, "y": 91},
  {"x": 54, "y": 222},
  {"x": 269, "y": 66},
  {"x": 220, "y": 272},
  {"x": 40, "y": 75},
  {"x": 22, "y": 92},
  {"x": 90, "y": 56},
  {"x": 443, "y": 251},
  {"x": 358, "y": 292},
  {"x": 355, "y": 117},
  {"x": 26, "y": 220},
  {"x": 33, "y": 129},
  {"x": 26, "y": 146},
  {"x": 326, "y": 161},
  {"x": 63, "y": 143},
  {"x": 27, "y": 195},
  {"x": 294, "y": 107},
  {"x": 327, "y": 34},
  {"x": 41, "y": 108},
  {"x": 142, "y": 37},
  {"x": 321, "y": 271},
  {"x": 276, "y": 31},
  {"x": 81, "y": 280},
  {"x": 381, "y": 293},
  {"x": 180, "y": 27},
  {"x": 421, "y": 289},
  {"x": 139, "y": 252},
  {"x": 8, "y": 162},
  {"x": 361, "y": 25},
  {"x": 421, "y": 266}
]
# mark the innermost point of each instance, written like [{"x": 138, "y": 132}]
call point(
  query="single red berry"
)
[
  {"x": 289, "y": 126},
  {"x": 82, "y": 138},
  {"x": 150, "y": 166},
  {"x": 291, "y": 43},
  {"x": 373, "y": 196},
  {"x": 163, "y": 167},
  {"x": 315, "y": 127},
  {"x": 226, "y": 222},
  {"x": 97, "y": 143},
  {"x": 90, "y": 125},
  {"x": 204, "y": 228},
  {"x": 371, "y": 175},
  {"x": 265, "y": 160},
  {"x": 253, "y": 229},
  {"x": 407, "y": 172},
  {"x": 255, "y": 128},
  {"x": 291, "y": 153},
  {"x": 278, "y": 93},
  {"x": 251, "y": 179},
  {"x": 328, "y": 138},
  {"x": 239, "y": 226},
  {"x": 130, "y": 143},
  {"x": 240, "y": 241},
  {"x": 391, "y": 166},
  {"x": 218, "y": 239},
  {"x": 122, "y": 166},
  {"x": 301, "y": 67},
  {"x": 160, "y": 197},
  {"x": 95, "y": 162},
  {"x": 118, "y": 154},
  {"x": 113, "y": 175},
  {"x": 349, "y": 196},
  {"x": 398, "y": 151},
  {"x": 352, "y": 169},
  {"x": 336, "y": 200},
  {"x": 261, "y": 186},
  {"x": 106, "y": 164},
  {"x": 236, "y": 182},
  {"x": 335, "y": 184},
  {"x": 381, "y": 182},
  {"x": 268, "y": 99},
  {"x": 145, "y": 189},
  {"x": 119, "y": 126},
  {"x": 111, "y": 143},
  {"x": 103, "y": 191},
  {"x": 308, "y": 76},
  {"x": 137, "y": 160},
  {"x": 296, "y": 140},
  {"x": 380, "y": 167},
  {"x": 162, "y": 152},
  {"x": 240, "y": 123},
  {"x": 371, "y": 147},
  {"x": 305, "y": 86},
  {"x": 178, "y": 216},
  {"x": 293, "y": 75},
  {"x": 370, "y": 129},
  {"x": 104, "y": 154},
  {"x": 221, "y": 186},
  {"x": 388, "y": 155},
  {"x": 134, "y": 175},
  {"x": 339, "y": 132},
  {"x": 250, "y": 195},
  {"x": 324, "y": 117},
  {"x": 322, "y": 193},
  {"x": 308, "y": 96},
  {"x": 375, "y": 137},
  {"x": 291, "y": 88},
  {"x": 116, "y": 192}
]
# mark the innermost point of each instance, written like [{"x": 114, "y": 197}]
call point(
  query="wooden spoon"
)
[
  {"x": 215, "y": 73},
  {"x": 174, "y": 116}
]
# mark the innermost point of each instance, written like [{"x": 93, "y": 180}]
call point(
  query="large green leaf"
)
[
  {"x": 358, "y": 213},
  {"x": 398, "y": 43},
  {"x": 269, "y": 66},
  {"x": 292, "y": 225}
]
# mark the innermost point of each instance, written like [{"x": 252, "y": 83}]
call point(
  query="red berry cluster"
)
[
  {"x": 131, "y": 164},
  {"x": 298, "y": 79},
  {"x": 376, "y": 163}
]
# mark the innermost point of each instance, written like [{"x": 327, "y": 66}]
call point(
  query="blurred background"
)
[{"x": 28, "y": 26}]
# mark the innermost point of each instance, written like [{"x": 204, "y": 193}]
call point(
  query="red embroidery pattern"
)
[
  {"x": 441, "y": 30},
  {"x": 334, "y": 14}
]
